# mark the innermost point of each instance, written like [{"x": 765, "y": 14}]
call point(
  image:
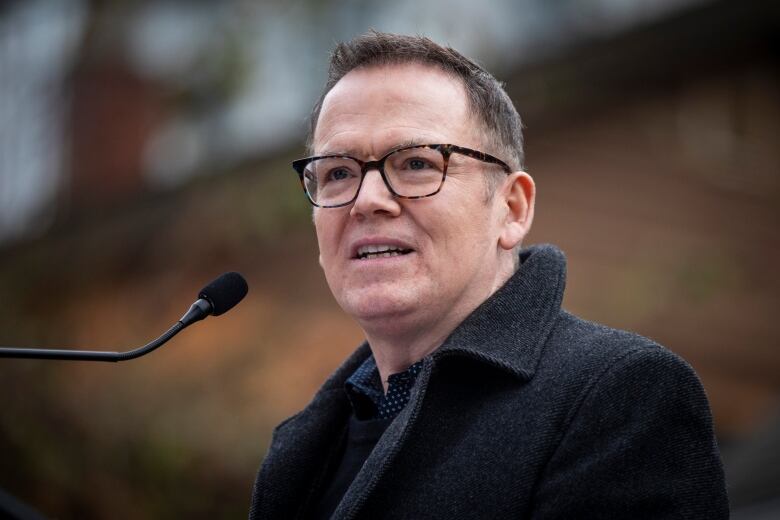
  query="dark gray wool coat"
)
[{"x": 525, "y": 411}]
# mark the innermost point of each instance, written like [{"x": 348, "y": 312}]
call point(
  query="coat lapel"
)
[{"x": 385, "y": 450}]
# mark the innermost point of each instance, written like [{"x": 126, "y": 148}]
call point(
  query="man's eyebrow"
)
[
  {"x": 407, "y": 143},
  {"x": 353, "y": 152},
  {"x": 410, "y": 142},
  {"x": 340, "y": 151}
]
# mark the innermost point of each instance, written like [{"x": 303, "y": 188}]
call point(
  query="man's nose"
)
[{"x": 375, "y": 197}]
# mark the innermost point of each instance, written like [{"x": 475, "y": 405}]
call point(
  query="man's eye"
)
[
  {"x": 338, "y": 174},
  {"x": 417, "y": 164}
]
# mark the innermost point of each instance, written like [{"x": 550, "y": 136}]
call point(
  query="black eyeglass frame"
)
[{"x": 445, "y": 149}]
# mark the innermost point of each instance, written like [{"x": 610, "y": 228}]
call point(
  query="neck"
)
[{"x": 397, "y": 342}]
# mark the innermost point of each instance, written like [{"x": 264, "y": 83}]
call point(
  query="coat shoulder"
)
[
  {"x": 582, "y": 359},
  {"x": 636, "y": 424},
  {"x": 582, "y": 345}
]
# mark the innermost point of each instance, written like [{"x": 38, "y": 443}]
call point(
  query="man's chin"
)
[{"x": 375, "y": 308}]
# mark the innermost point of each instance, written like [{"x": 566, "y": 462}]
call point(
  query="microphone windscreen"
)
[{"x": 225, "y": 292}]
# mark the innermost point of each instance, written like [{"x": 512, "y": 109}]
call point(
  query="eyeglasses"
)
[{"x": 410, "y": 172}]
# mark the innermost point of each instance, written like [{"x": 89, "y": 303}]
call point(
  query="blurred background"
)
[{"x": 145, "y": 148}]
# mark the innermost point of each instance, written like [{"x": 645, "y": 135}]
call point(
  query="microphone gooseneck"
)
[{"x": 216, "y": 298}]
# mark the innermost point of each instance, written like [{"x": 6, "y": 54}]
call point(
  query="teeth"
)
[
  {"x": 378, "y": 251},
  {"x": 375, "y": 249}
]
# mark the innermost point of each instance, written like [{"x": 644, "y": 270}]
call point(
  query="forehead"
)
[{"x": 373, "y": 109}]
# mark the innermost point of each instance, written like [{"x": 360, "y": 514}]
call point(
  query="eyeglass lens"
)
[{"x": 411, "y": 172}]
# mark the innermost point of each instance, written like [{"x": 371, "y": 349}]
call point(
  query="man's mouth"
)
[{"x": 380, "y": 251}]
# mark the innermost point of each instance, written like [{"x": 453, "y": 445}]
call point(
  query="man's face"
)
[{"x": 451, "y": 260}]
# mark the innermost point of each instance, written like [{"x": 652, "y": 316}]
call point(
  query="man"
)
[{"x": 475, "y": 395}]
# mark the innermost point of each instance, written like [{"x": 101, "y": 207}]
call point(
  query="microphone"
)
[{"x": 216, "y": 298}]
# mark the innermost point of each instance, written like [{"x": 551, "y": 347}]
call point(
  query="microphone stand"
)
[{"x": 198, "y": 311}]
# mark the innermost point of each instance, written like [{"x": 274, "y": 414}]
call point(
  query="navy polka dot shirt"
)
[{"x": 369, "y": 401}]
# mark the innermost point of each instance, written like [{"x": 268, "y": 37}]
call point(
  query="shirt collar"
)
[
  {"x": 367, "y": 396},
  {"x": 366, "y": 381}
]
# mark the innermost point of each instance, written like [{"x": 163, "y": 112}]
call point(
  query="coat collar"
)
[{"x": 509, "y": 329}]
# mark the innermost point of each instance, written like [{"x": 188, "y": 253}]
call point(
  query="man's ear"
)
[{"x": 518, "y": 195}]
